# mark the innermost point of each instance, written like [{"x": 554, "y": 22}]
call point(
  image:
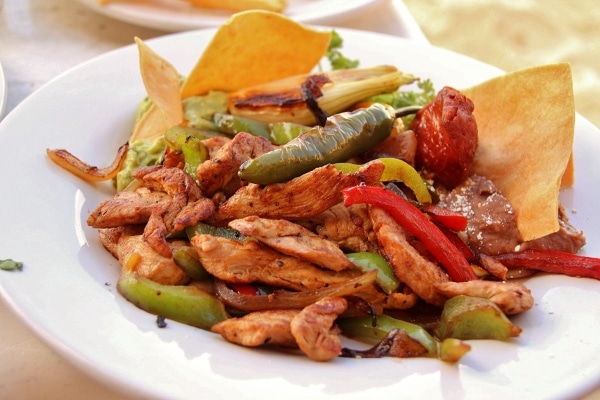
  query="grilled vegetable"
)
[
  {"x": 466, "y": 317},
  {"x": 344, "y": 136},
  {"x": 335, "y": 91},
  {"x": 186, "y": 304}
]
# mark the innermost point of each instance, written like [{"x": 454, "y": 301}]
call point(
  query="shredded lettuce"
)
[{"x": 335, "y": 56}]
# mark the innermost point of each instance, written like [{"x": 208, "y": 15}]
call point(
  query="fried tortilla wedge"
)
[
  {"x": 255, "y": 47},
  {"x": 526, "y": 122},
  {"x": 163, "y": 85},
  {"x": 241, "y": 5}
]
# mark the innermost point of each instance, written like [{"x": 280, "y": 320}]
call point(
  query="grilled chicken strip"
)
[
  {"x": 186, "y": 206},
  {"x": 294, "y": 240},
  {"x": 303, "y": 197},
  {"x": 315, "y": 331},
  {"x": 249, "y": 261},
  {"x": 349, "y": 227},
  {"x": 221, "y": 169},
  {"x": 409, "y": 266},
  {"x": 512, "y": 297},
  {"x": 136, "y": 255},
  {"x": 127, "y": 208},
  {"x": 260, "y": 328}
]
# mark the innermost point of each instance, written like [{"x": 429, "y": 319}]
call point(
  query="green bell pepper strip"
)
[
  {"x": 186, "y": 304},
  {"x": 194, "y": 151},
  {"x": 344, "y": 136},
  {"x": 278, "y": 133},
  {"x": 415, "y": 222},
  {"x": 397, "y": 170},
  {"x": 377, "y": 329},
  {"x": 366, "y": 262},
  {"x": 233, "y": 125},
  {"x": 187, "y": 259},
  {"x": 221, "y": 231}
]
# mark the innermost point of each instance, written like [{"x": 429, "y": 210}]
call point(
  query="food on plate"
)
[
  {"x": 398, "y": 217},
  {"x": 229, "y": 5}
]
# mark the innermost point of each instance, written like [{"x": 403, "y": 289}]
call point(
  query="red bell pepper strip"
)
[
  {"x": 553, "y": 261},
  {"x": 416, "y": 223},
  {"x": 457, "y": 241},
  {"x": 450, "y": 219},
  {"x": 244, "y": 288}
]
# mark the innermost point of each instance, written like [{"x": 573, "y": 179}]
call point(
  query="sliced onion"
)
[
  {"x": 74, "y": 165},
  {"x": 283, "y": 299}
]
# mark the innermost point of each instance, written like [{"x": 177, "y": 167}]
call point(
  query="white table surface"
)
[{"x": 40, "y": 39}]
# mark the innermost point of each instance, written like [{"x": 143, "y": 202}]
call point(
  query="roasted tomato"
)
[{"x": 446, "y": 137}]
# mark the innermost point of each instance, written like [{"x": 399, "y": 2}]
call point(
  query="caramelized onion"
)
[
  {"x": 74, "y": 165},
  {"x": 283, "y": 299}
]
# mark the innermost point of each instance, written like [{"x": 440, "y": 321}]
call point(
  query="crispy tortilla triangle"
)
[
  {"x": 255, "y": 47},
  {"x": 526, "y": 125},
  {"x": 163, "y": 85},
  {"x": 241, "y": 5}
]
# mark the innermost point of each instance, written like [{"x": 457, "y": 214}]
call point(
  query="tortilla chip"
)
[
  {"x": 255, "y": 47},
  {"x": 526, "y": 122},
  {"x": 241, "y": 5},
  {"x": 163, "y": 85}
]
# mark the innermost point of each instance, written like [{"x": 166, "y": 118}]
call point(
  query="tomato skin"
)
[{"x": 446, "y": 137}]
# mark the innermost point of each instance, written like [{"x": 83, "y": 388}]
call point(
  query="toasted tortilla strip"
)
[
  {"x": 255, "y": 47},
  {"x": 526, "y": 122},
  {"x": 241, "y": 5},
  {"x": 163, "y": 85}
]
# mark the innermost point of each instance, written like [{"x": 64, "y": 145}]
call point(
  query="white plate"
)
[
  {"x": 179, "y": 15},
  {"x": 3, "y": 92},
  {"x": 66, "y": 291}
]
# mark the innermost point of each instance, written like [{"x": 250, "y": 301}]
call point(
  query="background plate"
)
[
  {"x": 66, "y": 292},
  {"x": 179, "y": 15}
]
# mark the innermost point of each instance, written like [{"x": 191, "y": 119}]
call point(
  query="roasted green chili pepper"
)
[
  {"x": 344, "y": 136},
  {"x": 187, "y": 142},
  {"x": 377, "y": 329},
  {"x": 186, "y": 304},
  {"x": 366, "y": 261},
  {"x": 282, "y": 132}
]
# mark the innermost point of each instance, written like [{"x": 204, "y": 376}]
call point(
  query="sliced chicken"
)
[
  {"x": 260, "y": 328},
  {"x": 512, "y": 297},
  {"x": 294, "y": 240},
  {"x": 109, "y": 237},
  {"x": 221, "y": 169},
  {"x": 136, "y": 255},
  {"x": 185, "y": 205},
  {"x": 303, "y": 197},
  {"x": 127, "y": 208},
  {"x": 409, "y": 266},
  {"x": 249, "y": 261},
  {"x": 349, "y": 227},
  {"x": 315, "y": 331}
]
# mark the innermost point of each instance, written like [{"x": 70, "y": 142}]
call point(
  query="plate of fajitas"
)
[{"x": 67, "y": 290}]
